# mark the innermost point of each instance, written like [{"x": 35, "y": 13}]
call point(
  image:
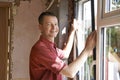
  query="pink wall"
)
[{"x": 25, "y": 35}]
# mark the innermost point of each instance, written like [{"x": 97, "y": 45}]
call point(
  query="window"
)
[
  {"x": 83, "y": 15},
  {"x": 111, "y": 49},
  {"x": 111, "y": 8},
  {"x": 108, "y": 23},
  {"x": 111, "y": 5},
  {"x": 82, "y": 34}
]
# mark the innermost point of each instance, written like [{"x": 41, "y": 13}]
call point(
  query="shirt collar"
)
[{"x": 43, "y": 39}]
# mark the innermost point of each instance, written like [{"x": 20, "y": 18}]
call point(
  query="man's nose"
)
[{"x": 53, "y": 26}]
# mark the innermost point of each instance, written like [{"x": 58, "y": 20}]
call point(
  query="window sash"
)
[
  {"x": 103, "y": 20},
  {"x": 107, "y": 13}
]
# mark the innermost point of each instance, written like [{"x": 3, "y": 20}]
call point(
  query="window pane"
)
[
  {"x": 112, "y": 53},
  {"x": 112, "y": 5},
  {"x": 83, "y": 32}
]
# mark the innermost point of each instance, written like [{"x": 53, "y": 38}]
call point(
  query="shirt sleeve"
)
[
  {"x": 60, "y": 53},
  {"x": 49, "y": 59}
]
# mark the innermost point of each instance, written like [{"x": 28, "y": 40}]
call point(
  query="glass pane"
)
[
  {"x": 112, "y": 5},
  {"x": 83, "y": 32},
  {"x": 87, "y": 30},
  {"x": 112, "y": 53}
]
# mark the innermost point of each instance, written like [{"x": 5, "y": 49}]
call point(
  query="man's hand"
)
[
  {"x": 75, "y": 25},
  {"x": 91, "y": 41}
]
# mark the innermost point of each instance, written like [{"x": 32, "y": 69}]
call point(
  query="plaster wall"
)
[
  {"x": 26, "y": 33},
  {"x": 6, "y": 0}
]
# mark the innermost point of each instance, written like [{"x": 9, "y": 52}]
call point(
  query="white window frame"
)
[
  {"x": 103, "y": 20},
  {"x": 111, "y": 13}
]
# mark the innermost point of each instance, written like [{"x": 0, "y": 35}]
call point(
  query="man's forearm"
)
[
  {"x": 69, "y": 44},
  {"x": 71, "y": 69}
]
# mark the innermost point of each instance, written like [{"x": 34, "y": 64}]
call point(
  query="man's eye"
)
[
  {"x": 56, "y": 24},
  {"x": 48, "y": 24}
]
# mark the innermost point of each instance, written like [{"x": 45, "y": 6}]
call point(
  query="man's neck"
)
[{"x": 49, "y": 38}]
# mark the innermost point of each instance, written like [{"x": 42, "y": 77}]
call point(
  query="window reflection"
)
[
  {"x": 112, "y": 53},
  {"x": 112, "y": 5}
]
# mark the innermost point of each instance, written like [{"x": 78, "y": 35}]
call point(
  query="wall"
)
[
  {"x": 6, "y": 0},
  {"x": 25, "y": 35}
]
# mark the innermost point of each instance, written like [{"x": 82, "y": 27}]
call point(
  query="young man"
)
[{"x": 46, "y": 59}]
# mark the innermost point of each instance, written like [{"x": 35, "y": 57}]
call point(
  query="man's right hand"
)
[{"x": 91, "y": 41}]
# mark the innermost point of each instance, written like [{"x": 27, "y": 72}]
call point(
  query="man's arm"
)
[
  {"x": 68, "y": 46},
  {"x": 71, "y": 69}
]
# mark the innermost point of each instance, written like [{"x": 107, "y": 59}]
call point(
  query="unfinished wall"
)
[{"x": 26, "y": 33}]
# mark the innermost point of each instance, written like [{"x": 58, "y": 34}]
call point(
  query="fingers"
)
[
  {"x": 76, "y": 24},
  {"x": 92, "y": 35},
  {"x": 95, "y": 35},
  {"x": 94, "y": 32},
  {"x": 91, "y": 40}
]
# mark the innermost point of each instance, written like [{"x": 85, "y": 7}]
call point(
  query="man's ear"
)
[{"x": 40, "y": 27}]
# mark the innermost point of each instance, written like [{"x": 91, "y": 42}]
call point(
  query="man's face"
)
[{"x": 49, "y": 28}]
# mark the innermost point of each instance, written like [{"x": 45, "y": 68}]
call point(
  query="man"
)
[{"x": 46, "y": 59}]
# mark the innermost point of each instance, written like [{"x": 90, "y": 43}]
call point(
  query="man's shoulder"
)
[
  {"x": 38, "y": 47},
  {"x": 39, "y": 44}
]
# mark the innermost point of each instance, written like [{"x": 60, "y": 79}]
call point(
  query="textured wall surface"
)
[
  {"x": 26, "y": 33},
  {"x": 6, "y": 0}
]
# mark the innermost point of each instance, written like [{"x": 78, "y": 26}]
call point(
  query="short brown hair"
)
[{"x": 41, "y": 17}]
